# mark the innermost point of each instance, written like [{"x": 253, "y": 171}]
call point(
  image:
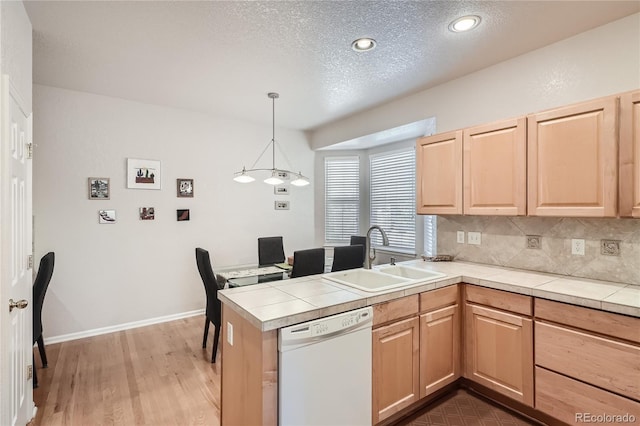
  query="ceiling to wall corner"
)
[{"x": 222, "y": 57}]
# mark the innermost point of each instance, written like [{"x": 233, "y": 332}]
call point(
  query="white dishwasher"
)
[{"x": 325, "y": 371}]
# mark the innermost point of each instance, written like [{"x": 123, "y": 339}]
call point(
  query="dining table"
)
[{"x": 251, "y": 276}]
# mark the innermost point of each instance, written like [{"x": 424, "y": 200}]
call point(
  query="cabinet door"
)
[
  {"x": 439, "y": 174},
  {"x": 495, "y": 168},
  {"x": 630, "y": 154},
  {"x": 395, "y": 367},
  {"x": 439, "y": 349},
  {"x": 572, "y": 160},
  {"x": 499, "y": 352}
]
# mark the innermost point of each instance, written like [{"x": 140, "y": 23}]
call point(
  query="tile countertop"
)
[{"x": 279, "y": 304}]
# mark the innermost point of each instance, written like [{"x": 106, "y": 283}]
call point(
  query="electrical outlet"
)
[
  {"x": 230, "y": 333},
  {"x": 460, "y": 237},
  {"x": 474, "y": 238},
  {"x": 577, "y": 247}
]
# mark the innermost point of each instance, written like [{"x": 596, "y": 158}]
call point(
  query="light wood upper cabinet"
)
[
  {"x": 395, "y": 367},
  {"x": 495, "y": 168},
  {"x": 439, "y": 174},
  {"x": 630, "y": 154},
  {"x": 572, "y": 160}
]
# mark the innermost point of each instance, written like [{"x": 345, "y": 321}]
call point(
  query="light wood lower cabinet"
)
[
  {"x": 603, "y": 362},
  {"x": 499, "y": 351},
  {"x": 587, "y": 362},
  {"x": 395, "y": 367},
  {"x": 575, "y": 402},
  {"x": 439, "y": 349}
]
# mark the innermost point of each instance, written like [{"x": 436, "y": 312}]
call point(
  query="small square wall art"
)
[
  {"x": 185, "y": 188},
  {"x": 106, "y": 216},
  {"x": 147, "y": 213},
  {"x": 182, "y": 215},
  {"x": 99, "y": 188}
]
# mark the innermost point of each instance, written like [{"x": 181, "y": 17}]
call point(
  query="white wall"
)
[
  {"x": 600, "y": 62},
  {"x": 134, "y": 270},
  {"x": 15, "y": 47}
]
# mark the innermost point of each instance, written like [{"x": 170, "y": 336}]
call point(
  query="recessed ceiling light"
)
[
  {"x": 363, "y": 44},
  {"x": 465, "y": 23}
]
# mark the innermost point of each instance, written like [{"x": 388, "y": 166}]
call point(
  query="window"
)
[
  {"x": 342, "y": 198},
  {"x": 430, "y": 234},
  {"x": 393, "y": 198}
]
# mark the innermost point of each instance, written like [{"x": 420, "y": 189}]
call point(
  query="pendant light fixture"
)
[{"x": 275, "y": 174}]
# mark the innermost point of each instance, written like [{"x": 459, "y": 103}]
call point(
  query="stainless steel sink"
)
[
  {"x": 415, "y": 274},
  {"x": 367, "y": 279}
]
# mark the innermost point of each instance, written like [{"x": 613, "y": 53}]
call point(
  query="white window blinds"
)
[
  {"x": 430, "y": 236},
  {"x": 393, "y": 192},
  {"x": 342, "y": 198}
]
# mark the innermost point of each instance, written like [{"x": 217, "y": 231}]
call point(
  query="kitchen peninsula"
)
[{"x": 603, "y": 318}]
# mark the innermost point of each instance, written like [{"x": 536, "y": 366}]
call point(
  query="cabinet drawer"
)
[
  {"x": 571, "y": 401},
  {"x": 615, "y": 325},
  {"x": 499, "y": 299},
  {"x": 395, "y": 309},
  {"x": 440, "y": 298},
  {"x": 602, "y": 362}
]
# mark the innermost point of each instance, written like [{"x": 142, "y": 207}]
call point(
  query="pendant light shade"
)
[
  {"x": 275, "y": 177},
  {"x": 243, "y": 177},
  {"x": 300, "y": 180}
]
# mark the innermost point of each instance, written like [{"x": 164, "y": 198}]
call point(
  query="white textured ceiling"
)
[{"x": 222, "y": 57}]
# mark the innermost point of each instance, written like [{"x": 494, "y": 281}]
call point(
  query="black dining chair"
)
[
  {"x": 214, "y": 306},
  {"x": 359, "y": 240},
  {"x": 40, "y": 285},
  {"x": 347, "y": 257},
  {"x": 270, "y": 251},
  {"x": 308, "y": 262}
]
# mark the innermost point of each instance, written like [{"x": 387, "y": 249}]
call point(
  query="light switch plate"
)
[
  {"x": 474, "y": 238},
  {"x": 460, "y": 237}
]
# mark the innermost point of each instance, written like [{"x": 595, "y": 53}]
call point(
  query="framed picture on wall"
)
[
  {"x": 99, "y": 188},
  {"x": 183, "y": 215},
  {"x": 143, "y": 174},
  {"x": 147, "y": 213},
  {"x": 184, "y": 188},
  {"x": 106, "y": 216}
]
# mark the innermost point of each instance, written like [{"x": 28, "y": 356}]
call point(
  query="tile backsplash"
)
[{"x": 504, "y": 242}]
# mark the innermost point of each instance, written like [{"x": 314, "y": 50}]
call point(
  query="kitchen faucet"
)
[{"x": 385, "y": 242}]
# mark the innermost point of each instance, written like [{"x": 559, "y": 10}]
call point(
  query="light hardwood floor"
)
[{"x": 155, "y": 375}]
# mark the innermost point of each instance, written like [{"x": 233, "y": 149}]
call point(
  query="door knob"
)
[{"x": 20, "y": 304}]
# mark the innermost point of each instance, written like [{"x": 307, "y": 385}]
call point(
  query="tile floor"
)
[{"x": 464, "y": 408}]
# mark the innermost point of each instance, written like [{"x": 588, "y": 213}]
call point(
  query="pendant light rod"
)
[{"x": 273, "y": 96}]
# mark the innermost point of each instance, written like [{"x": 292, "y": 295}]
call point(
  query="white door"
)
[{"x": 16, "y": 392}]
